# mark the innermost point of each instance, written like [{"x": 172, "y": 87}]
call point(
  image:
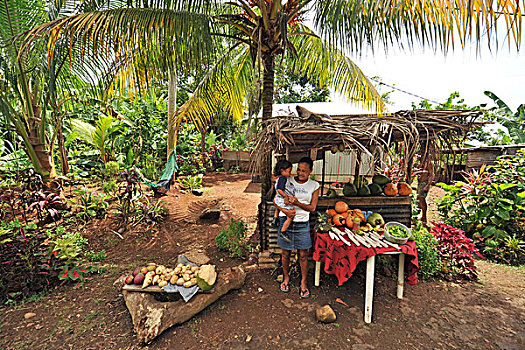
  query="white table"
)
[{"x": 369, "y": 285}]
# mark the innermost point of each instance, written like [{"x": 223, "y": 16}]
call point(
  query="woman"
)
[{"x": 304, "y": 201}]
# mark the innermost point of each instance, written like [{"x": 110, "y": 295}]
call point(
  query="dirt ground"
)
[{"x": 487, "y": 314}]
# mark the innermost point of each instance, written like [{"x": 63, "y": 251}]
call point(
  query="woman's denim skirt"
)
[{"x": 299, "y": 234}]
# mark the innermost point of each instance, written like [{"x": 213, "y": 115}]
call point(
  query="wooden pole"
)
[
  {"x": 400, "y": 276},
  {"x": 323, "y": 174},
  {"x": 369, "y": 287}
]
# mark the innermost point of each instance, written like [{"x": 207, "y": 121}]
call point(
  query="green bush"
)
[
  {"x": 489, "y": 207},
  {"x": 233, "y": 239},
  {"x": 112, "y": 169},
  {"x": 110, "y": 186},
  {"x": 427, "y": 255}
]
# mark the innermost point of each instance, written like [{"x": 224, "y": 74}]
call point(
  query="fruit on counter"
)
[
  {"x": 350, "y": 222},
  {"x": 404, "y": 189},
  {"x": 349, "y": 190},
  {"x": 375, "y": 219},
  {"x": 129, "y": 279},
  {"x": 339, "y": 220},
  {"x": 381, "y": 180},
  {"x": 206, "y": 277},
  {"x": 363, "y": 191},
  {"x": 359, "y": 213},
  {"x": 137, "y": 271},
  {"x": 331, "y": 193},
  {"x": 331, "y": 212},
  {"x": 144, "y": 270},
  {"x": 341, "y": 207},
  {"x": 148, "y": 279},
  {"x": 139, "y": 278},
  {"x": 390, "y": 189},
  {"x": 375, "y": 189},
  {"x": 151, "y": 267}
]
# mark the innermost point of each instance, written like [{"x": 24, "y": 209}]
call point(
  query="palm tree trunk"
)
[
  {"x": 43, "y": 154},
  {"x": 61, "y": 146},
  {"x": 172, "y": 108},
  {"x": 267, "y": 102}
]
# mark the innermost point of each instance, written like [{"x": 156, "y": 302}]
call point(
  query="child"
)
[{"x": 285, "y": 190}]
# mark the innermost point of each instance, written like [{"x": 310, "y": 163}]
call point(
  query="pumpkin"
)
[
  {"x": 341, "y": 207},
  {"x": 404, "y": 189},
  {"x": 339, "y": 220},
  {"x": 331, "y": 212},
  {"x": 390, "y": 189},
  {"x": 350, "y": 222}
]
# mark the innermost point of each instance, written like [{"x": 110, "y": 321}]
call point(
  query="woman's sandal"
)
[
  {"x": 305, "y": 293},
  {"x": 285, "y": 287}
]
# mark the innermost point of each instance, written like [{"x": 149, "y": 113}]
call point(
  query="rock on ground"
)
[{"x": 325, "y": 314}]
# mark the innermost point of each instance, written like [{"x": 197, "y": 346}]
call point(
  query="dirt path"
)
[{"x": 488, "y": 314}]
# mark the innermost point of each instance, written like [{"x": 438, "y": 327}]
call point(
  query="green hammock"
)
[{"x": 167, "y": 173}]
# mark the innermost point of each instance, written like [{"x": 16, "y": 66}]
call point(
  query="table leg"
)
[
  {"x": 317, "y": 273},
  {"x": 369, "y": 287},
  {"x": 400, "y": 276}
]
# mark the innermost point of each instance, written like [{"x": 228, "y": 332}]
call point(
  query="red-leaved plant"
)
[{"x": 455, "y": 251}]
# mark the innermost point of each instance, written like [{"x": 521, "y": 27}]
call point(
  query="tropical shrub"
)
[
  {"x": 489, "y": 207},
  {"x": 26, "y": 267},
  {"x": 233, "y": 239},
  {"x": 427, "y": 251},
  {"x": 90, "y": 205},
  {"x": 455, "y": 251}
]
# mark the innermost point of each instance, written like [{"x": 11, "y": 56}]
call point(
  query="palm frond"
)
[
  {"x": 351, "y": 25},
  {"x": 326, "y": 66}
]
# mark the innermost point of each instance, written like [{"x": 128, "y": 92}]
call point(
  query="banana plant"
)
[{"x": 513, "y": 121}]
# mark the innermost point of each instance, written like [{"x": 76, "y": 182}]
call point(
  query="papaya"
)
[
  {"x": 404, "y": 189},
  {"x": 375, "y": 189},
  {"x": 381, "y": 180},
  {"x": 331, "y": 212},
  {"x": 349, "y": 190}
]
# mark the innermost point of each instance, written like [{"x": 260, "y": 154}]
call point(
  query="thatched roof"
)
[{"x": 365, "y": 133}]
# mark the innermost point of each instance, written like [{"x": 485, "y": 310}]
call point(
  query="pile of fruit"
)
[
  {"x": 380, "y": 185},
  {"x": 182, "y": 275},
  {"x": 342, "y": 216}
]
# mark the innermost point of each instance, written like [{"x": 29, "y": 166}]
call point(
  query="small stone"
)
[
  {"x": 325, "y": 314},
  {"x": 30, "y": 324},
  {"x": 248, "y": 338},
  {"x": 28, "y": 315},
  {"x": 38, "y": 326},
  {"x": 197, "y": 192},
  {"x": 260, "y": 290},
  {"x": 280, "y": 278}
]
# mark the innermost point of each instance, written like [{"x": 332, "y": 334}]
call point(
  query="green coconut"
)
[
  {"x": 363, "y": 191},
  {"x": 381, "y": 180},
  {"x": 331, "y": 193},
  {"x": 375, "y": 189},
  {"x": 206, "y": 277},
  {"x": 349, "y": 190}
]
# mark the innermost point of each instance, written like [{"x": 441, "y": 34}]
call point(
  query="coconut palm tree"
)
[{"x": 262, "y": 30}]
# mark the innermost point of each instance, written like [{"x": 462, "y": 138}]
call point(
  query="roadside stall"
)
[{"x": 350, "y": 218}]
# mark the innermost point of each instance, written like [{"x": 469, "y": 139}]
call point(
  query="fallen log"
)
[{"x": 151, "y": 317}]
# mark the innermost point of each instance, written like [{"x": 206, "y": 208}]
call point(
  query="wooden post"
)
[
  {"x": 369, "y": 287},
  {"x": 400, "y": 276},
  {"x": 357, "y": 164},
  {"x": 317, "y": 273},
  {"x": 323, "y": 174}
]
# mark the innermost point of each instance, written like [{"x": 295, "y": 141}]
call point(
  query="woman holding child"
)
[{"x": 297, "y": 235}]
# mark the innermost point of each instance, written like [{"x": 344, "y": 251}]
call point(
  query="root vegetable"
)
[
  {"x": 163, "y": 283},
  {"x": 173, "y": 279},
  {"x": 186, "y": 277},
  {"x": 178, "y": 270},
  {"x": 148, "y": 279},
  {"x": 180, "y": 281}
]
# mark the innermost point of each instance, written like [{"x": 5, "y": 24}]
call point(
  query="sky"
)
[{"x": 434, "y": 76}]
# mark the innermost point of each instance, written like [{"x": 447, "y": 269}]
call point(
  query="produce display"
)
[
  {"x": 342, "y": 216},
  {"x": 182, "y": 275},
  {"x": 381, "y": 184}
]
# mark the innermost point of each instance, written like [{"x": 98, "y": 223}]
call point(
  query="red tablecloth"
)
[{"x": 341, "y": 260}]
